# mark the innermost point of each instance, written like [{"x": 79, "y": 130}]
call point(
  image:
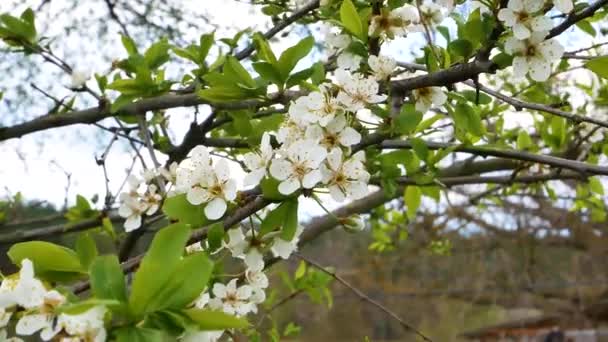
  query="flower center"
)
[
  {"x": 299, "y": 169},
  {"x": 522, "y": 16},
  {"x": 330, "y": 140},
  {"x": 340, "y": 178},
  {"x": 216, "y": 190}
]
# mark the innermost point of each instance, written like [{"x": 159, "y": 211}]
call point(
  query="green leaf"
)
[
  {"x": 86, "y": 249},
  {"x": 408, "y": 119},
  {"x": 51, "y": 261},
  {"x": 586, "y": 27},
  {"x": 290, "y": 57},
  {"x": 184, "y": 284},
  {"x": 290, "y": 225},
  {"x": 85, "y": 305},
  {"x": 157, "y": 54},
  {"x": 263, "y": 48},
  {"x": 129, "y": 45},
  {"x": 270, "y": 189},
  {"x": 412, "y": 198},
  {"x": 19, "y": 28},
  {"x": 178, "y": 208},
  {"x": 162, "y": 258},
  {"x": 215, "y": 320},
  {"x": 524, "y": 141},
  {"x": 596, "y": 186},
  {"x": 420, "y": 147},
  {"x": 137, "y": 334},
  {"x": 268, "y": 72},
  {"x": 241, "y": 122},
  {"x": 318, "y": 76},
  {"x": 471, "y": 95},
  {"x": 460, "y": 48},
  {"x": 107, "y": 279},
  {"x": 299, "y": 77},
  {"x": 215, "y": 236},
  {"x": 468, "y": 120},
  {"x": 350, "y": 19},
  {"x": 205, "y": 44},
  {"x": 599, "y": 66},
  {"x": 235, "y": 71},
  {"x": 274, "y": 219},
  {"x": 224, "y": 94}
]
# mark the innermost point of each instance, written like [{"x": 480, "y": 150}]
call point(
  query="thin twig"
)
[{"x": 364, "y": 297}]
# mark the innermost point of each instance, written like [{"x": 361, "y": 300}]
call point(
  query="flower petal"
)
[{"x": 216, "y": 208}]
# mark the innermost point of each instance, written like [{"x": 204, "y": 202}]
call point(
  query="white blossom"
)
[
  {"x": 202, "y": 336},
  {"x": 283, "y": 248},
  {"x": 337, "y": 42},
  {"x": 353, "y": 224},
  {"x": 432, "y": 13},
  {"x": 131, "y": 208},
  {"x": 290, "y": 131},
  {"x": 394, "y": 23},
  {"x": 78, "y": 78},
  {"x": 231, "y": 299},
  {"x": 257, "y": 162},
  {"x": 349, "y": 61},
  {"x": 336, "y": 133},
  {"x": 207, "y": 184},
  {"x": 42, "y": 318},
  {"x": 427, "y": 97},
  {"x": 382, "y": 66},
  {"x": 520, "y": 16},
  {"x": 533, "y": 56},
  {"x": 317, "y": 107},
  {"x": 240, "y": 247},
  {"x": 300, "y": 167},
  {"x": 345, "y": 178},
  {"x": 357, "y": 91},
  {"x": 25, "y": 291},
  {"x": 564, "y": 6},
  {"x": 86, "y": 326}
]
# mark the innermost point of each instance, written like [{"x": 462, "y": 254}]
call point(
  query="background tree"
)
[{"x": 468, "y": 138}]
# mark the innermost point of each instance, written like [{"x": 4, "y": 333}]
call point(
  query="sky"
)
[{"x": 36, "y": 165}]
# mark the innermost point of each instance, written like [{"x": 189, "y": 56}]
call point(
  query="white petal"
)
[
  {"x": 288, "y": 186},
  {"x": 222, "y": 170},
  {"x": 334, "y": 158},
  {"x": 311, "y": 179},
  {"x": 540, "y": 70},
  {"x": 219, "y": 290},
  {"x": 229, "y": 189},
  {"x": 29, "y": 324},
  {"x": 357, "y": 190},
  {"x": 564, "y": 6},
  {"x": 254, "y": 177},
  {"x": 197, "y": 196},
  {"x": 336, "y": 193},
  {"x": 349, "y": 137},
  {"x": 520, "y": 31},
  {"x": 520, "y": 67},
  {"x": 215, "y": 209},
  {"x": 132, "y": 222},
  {"x": 541, "y": 23},
  {"x": 254, "y": 260},
  {"x": 280, "y": 169},
  {"x": 244, "y": 292}
]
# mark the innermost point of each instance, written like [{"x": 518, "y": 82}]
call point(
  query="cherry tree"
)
[{"x": 338, "y": 121}]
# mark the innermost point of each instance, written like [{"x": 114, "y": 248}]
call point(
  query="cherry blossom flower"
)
[
  {"x": 202, "y": 336},
  {"x": 432, "y": 13},
  {"x": 78, "y": 78},
  {"x": 210, "y": 185},
  {"x": 357, "y": 91},
  {"x": 290, "y": 131},
  {"x": 25, "y": 291},
  {"x": 520, "y": 16},
  {"x": 131, "y": 209},
  {"x": 353, "y": 224},
  {"x": 240, "y": 246},
  {"x": 283, "y": 248},
  {"x": 427, "y": 97},
  {"x": 86, "y": 326},
  {"x": 336, "y": 133},
  {"x": 349, "y": 61},
  {"x": 300, "y": 167},
  {"x": 257, "y": 162},
  {"x": 564, "y": 6},
  {"x": 317, "y": 107},
  {"x": 394, "y": 23},
  {"x": 345, "y": 178},
  {"x": 43, "y": 317},
  {"x": 337, "y": 42},
  {"x": 231, "y": 299},
  {"x": 534, "y": 55},
  {"x": 382, "y": 66}
]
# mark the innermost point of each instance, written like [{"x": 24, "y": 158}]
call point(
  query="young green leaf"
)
[
  {"x": 107, "y": 279},
  {"x": 412, "y": 199},
  {"x": 599, "y": 66},
  {"x": 350, "y": 18},
  {"x": 215, "y": 320},
  {"x": 290, "y": 57},
  {"x": 86, "y": 249}
]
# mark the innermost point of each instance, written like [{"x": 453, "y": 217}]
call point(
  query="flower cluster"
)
[
  {"x": 532, "y": 53},
  {"x": 24, "y": 292},
  {"x": 141, "y": 199}
]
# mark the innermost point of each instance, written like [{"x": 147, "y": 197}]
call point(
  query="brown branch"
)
[{"x": 573, "y": 18}]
